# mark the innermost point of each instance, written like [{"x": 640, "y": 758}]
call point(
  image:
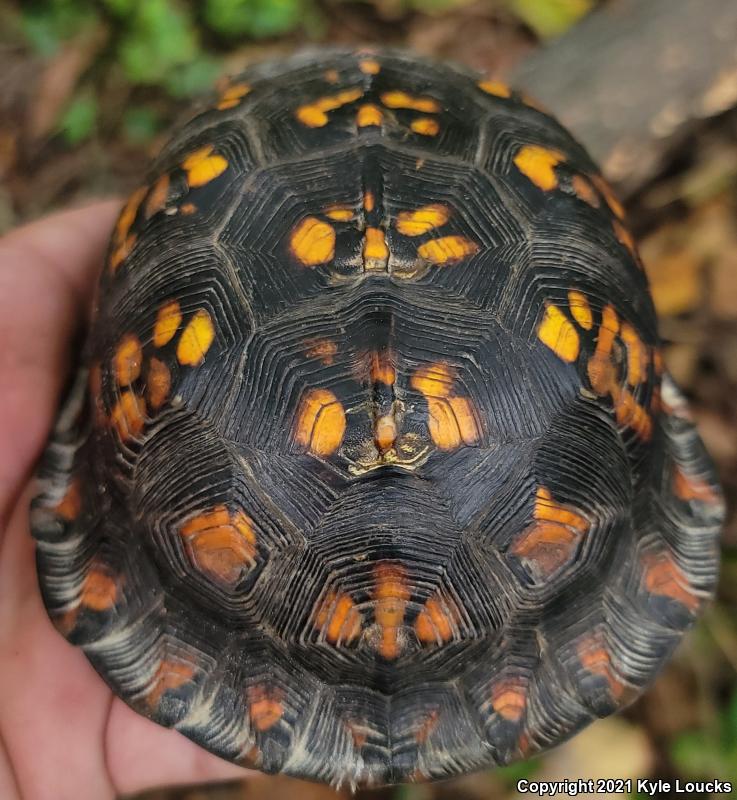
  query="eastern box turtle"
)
[{"x": 371, "y": 472}]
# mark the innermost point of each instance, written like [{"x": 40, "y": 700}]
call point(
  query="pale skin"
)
[{"x": 62, "y": 733}]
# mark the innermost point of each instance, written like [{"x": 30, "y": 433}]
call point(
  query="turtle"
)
[{"x": 371, "y": 471}]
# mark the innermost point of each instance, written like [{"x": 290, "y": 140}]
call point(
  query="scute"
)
[{"x": 371, "y": 472}]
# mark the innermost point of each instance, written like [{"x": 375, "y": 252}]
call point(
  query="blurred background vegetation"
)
[{"x": 90, "y": 86}]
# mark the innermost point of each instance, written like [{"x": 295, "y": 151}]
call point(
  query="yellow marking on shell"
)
[
  {"x": 331, "y": 76},
  {"x": 600, "y": 368},
  {"x": 369, "y": 201},
  {"x": 321, "y": 422},
  {"x": 340, "y": 213},
  {"x": 375, "y": 249},
  {"x": 314, "y": 115},
  {"x": 170, "y": 675},
  {"x": 509, "y": 699},
  {"x": 369, "y": 115},
  {"x": 157, "y": 197},
  {"x": 580, "y": 309},
  {"x": 322, "y": 349},
  {"x": 434, "y": 623},
  {"x": 70, "y": 505},
  {"x": 425, "y": 126},
  {"x": 385, "y": 433},
  {"x": 196, "y": 339},
  {"x": 557, "y": 332},
  {"x": 422, "y": 220},
  {"x": 168, "y": 320},
  {"x": 221, "y": 543},
  {"x": 538, "y": 164},
  {"x": 312, "y": 242},
  {"x": 433, "y": 380},
  {"x": 99, "y": 590},
  {"x": 233, "y": 96},
  {"x": 585, "y": 191},
  {"x": 203, "y": 166},
  {"x": 187, "y": 209},
  {"x": 399, "y": 99},
  {"x": 158, "y": 383},
  {"x": 369, "y": 66},
  {"x": 594, "y": 657},
  {"x": 447, "y": 249},
  {"x": 339, "y": 618},
  {"x": 496, "y": 88},
  {"x": 127, "y": 360},
  {"x": 265, "y": 707},
  {"x": 123, "y": 239},
  {"x": 129, "y": 416},
  {"x": 451, "y": 422},
  {"x": 551, "y": 539},
  {"x": 608, "y": 194},
  {"x": 637, "y": 355},
  {"x": 688, "y": 487},
  {"x": 390, "y": 594}
]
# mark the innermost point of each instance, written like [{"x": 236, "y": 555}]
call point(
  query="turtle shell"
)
[{"x": 371, "y": 472}]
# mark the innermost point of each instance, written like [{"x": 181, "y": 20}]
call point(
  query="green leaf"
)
[
  {"x": 517, "y": 771},
  {"x": 141, "y": 124},
  {"x": 695, "y": 755},
  {"x": 160, "y": 38},
  {"x": 46, "y": 24},
  {"x": 193, "y": 78},
  {"x": 257, "y": 18},
  {"x": 79, "y": 120},
  {"x": 550, "y": 17}
]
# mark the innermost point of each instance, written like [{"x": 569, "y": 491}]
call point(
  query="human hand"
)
[{"x": 62, "y": 732}]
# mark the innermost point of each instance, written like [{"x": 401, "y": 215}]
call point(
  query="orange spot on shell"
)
[
  {"x": 168, "y": 320},
  {"x": 585, "y": 191},
  {"x": 203, "y": 166},
  {"x": 369, "y": 66},
  {"x": 265, "y": 707},
  {"x": 548, "y": 509},
  {"x": 233, "y": 96},
  {"x": 321, "y": 422},
  {"x": 609, "y": 196},
  {"x": 637, "y": 356},
  {"x": 369, "y": 115},
  {"x": 629, "y": 412},
  {"x": 580, "y": 309},
  {"x": 381, "y": 368},
  {"x": 331, "y": 76},
  {"x": 340, "y": 213},
  {"x": 625, "y": 238},
  {"x": 322, "y": 349},
  {"x": 687, "y": 487},
  {"x": 447, "y": 249},
  {"x": 338, "y": 616},
  {"x": 594, "y": 657},
  {"x": 123, "y": 240},
  {"x": 538, "y": 164},
  {"x": 390, "y": 593},
  {"x": 427, "y": 726},
  {"x": 196, "y": 339},
  {"x": 451, "y": 419},
  {"x": 221, "y": 543},
  {"x": 434, "y": 623},
  {"x": 127, "y": 360},
  {"x": 99, "y": 590},
  {"x": 314, "y": 115},
  {"x": 375, "y": 249},
  {"x": 425, "y": 126},
  {"x": 385, "y": 433},
  {"x": 509, "y": 699},
  {"x": 600, "y": 368},
  {"x": 422, "y": 220},
  {"x": 399, "y": 99},
  {"x": 158, "y": 383},
  {"x": 70, "y": 505},
  {"x": 129, "y": 416},
  {"x": 433, "y": 380},
  {"x": 368, "y": 201},
  {"x": 312, "y": 242},
  {"x": 496, "y": 88},
  {"x": 157, "y": 197},
  {"x": 558, "y": 333},
  {"x": 663, "y": 577},
  {"x": 187, "y": 209},
  {"x": 170, "y": 675}
]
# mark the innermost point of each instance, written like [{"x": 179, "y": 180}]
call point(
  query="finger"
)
[{"x": 46, "y": 274}]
